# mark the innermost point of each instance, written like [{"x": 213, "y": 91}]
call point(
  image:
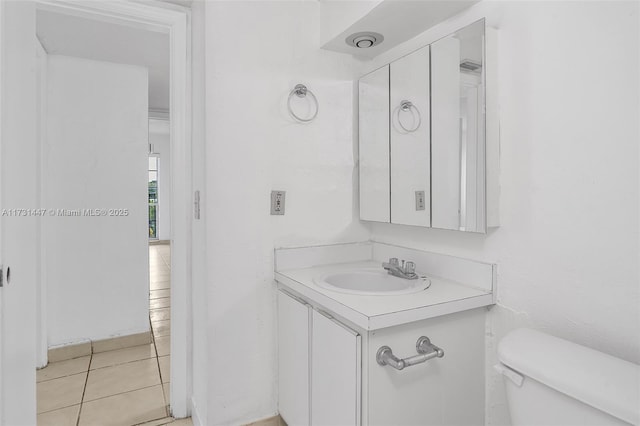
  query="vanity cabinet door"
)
[
  {"x": 293, "y": 359},
  {"x": 335, "y": 373},
  {"x": 442, "y": 391},
  {"x": 410, "y": 140}
]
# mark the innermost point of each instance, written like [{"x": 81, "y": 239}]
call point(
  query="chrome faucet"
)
[{"x": 406, "y": 270}]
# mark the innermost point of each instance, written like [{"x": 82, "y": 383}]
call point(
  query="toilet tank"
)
[{"x": 551, "y": 381}]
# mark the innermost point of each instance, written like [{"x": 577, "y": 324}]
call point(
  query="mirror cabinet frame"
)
[{"x": 406, "y": 124}]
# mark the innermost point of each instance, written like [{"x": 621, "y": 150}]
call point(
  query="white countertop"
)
[{"x": 443, "y": 297}]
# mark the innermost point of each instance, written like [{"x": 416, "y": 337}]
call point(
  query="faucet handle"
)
[
  {"x": 394, "y": 261},
  {"x": 410, "y": 268}
]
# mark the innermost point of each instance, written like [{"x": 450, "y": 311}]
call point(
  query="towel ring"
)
[
  {"x": 301, "y": 91},
  {"x": 408, "y": 106}
]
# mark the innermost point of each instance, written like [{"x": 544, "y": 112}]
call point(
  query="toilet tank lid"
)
[{"x": 605, "y": 382}]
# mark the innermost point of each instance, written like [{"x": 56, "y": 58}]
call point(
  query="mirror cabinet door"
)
[
  {"x": 374, "y": 146},
  {"x": 457, "y": 133},
  {"x": 409, "y": 140}
]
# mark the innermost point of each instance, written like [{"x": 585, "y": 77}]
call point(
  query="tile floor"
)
[{"x": 122, "y": 387}]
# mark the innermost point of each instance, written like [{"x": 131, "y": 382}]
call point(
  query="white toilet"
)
[{"x": 551, "y": 381}]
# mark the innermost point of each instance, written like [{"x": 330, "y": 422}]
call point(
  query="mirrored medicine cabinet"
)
[{"x": 428, "y": 139}]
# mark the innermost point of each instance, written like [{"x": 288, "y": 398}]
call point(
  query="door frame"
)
[
  {"x": 176, "y": 21},
  {"x": 18, "y": 245}
]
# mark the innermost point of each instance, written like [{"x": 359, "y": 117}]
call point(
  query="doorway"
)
[
  {"x": 167, "y": 264},
  {"x": 154, "y": 190}
]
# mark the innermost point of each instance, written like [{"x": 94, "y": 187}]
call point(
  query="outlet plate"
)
[
  {"x": 277, "y": 202},
  {"x": 420, "y": 202}
]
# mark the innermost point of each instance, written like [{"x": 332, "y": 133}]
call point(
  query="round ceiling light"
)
[{"x": 364, "y": 40}]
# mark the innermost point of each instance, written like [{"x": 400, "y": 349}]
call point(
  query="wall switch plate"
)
[
  {"x": 277, "y": 202},
  {"x": 420, "y": 202},
  {"x": 196, "y": 205}
]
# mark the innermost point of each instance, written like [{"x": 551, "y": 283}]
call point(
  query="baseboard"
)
[
  {"x": 62, "y": 353},
  {"x": 88, "y": 347},
  {"x": 121, "y": 342},
  {"x": 271, "y": 421}
]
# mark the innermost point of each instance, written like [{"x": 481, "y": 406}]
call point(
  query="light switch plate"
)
[
  {"x": 420, "y": 203},
  {"x": 196, "y": 205},
  {"x": 277, "y": 202}
]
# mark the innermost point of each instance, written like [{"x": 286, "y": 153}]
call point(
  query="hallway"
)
[{"x": 124, "y": 387}]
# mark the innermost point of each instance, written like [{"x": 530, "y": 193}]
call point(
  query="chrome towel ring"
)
[
  {"x": 301, "y": 91},
  {"x": 408, "y": 106}
]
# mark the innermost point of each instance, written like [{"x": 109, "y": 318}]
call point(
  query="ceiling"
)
[
  {"x": 398, "y": 21},
  {"x": 91, "y": 39}
]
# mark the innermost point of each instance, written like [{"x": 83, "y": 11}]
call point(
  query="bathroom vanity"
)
[
  {"x": 401, "y": 354},
  {"x": 375, "y": 334}
]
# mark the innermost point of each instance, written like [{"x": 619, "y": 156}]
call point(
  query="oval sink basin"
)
[{"x": 373, "y": 282}]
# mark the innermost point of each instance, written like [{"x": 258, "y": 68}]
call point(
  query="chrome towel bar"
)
[{"x": 426, "y": 351}]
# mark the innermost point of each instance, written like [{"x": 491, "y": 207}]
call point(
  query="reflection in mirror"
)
[
  {"x": 409, "y": 139},
  {"x": 458, "y": 136},
  {"x": 374, "y": 145}
]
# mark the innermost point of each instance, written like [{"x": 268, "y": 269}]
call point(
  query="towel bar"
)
[{"x": 426, "y": 351}]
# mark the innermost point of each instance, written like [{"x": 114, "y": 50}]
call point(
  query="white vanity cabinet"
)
[
  {"x": 319, "y": 366},
  {"x": 329, "y": 374},
  {"x": 441, "y": 391}
]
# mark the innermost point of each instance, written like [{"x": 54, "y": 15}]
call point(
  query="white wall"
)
[
  {"x": 256, "y": 53},
  {"x": 567, "y": 249},
  {"x": 95, "y": 158},
  {"x": 159, "y": 137}
]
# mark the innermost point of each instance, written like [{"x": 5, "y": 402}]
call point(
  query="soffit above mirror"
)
[{"x": 396, "y": 20}]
